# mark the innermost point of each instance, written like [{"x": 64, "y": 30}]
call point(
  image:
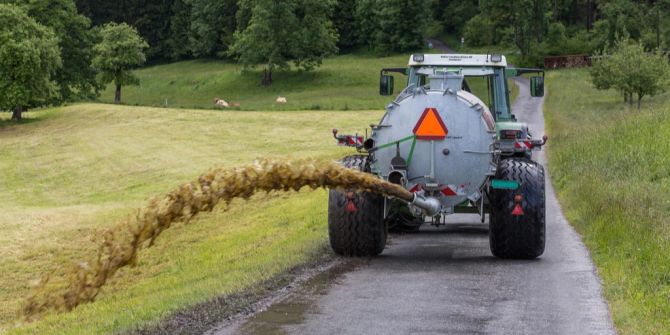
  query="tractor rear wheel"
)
[
  {"x": 520, "y": 236},
  {"x": 356, "y": 225}
]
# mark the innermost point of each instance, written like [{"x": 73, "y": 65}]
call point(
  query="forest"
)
[
  {"x": 178, "y": 29},
  {"x": 292, "y": 34}
]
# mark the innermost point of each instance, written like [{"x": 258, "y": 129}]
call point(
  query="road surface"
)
[{"x": 445, "y": 281}]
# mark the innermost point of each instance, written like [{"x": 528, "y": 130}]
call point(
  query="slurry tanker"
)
[{"x": 453, "y": 151}]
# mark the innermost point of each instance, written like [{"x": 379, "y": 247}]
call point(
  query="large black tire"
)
[
  {"x": 518, "y": 237},
  {"x": 363, "y": 231}
]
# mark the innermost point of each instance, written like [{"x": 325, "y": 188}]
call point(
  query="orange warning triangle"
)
[{"x": 430, "y": 126}]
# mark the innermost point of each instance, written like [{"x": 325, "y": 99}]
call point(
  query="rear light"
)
[{"x": 510, "y": 134}]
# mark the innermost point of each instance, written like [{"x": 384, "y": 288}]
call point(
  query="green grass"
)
[
  {"x": 611, "y": 167},
  {"x": 348, "y": 82},
  {"x": 341, "y": 83},
  {"x": 68, "y": 173}
]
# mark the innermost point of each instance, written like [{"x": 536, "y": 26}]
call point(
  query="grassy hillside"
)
[
  {"x": 69, "y": 173},
  {"x": 348, "y": 82},
  {"x": 611, "y": 166},
  {"x": 341, "y": 83}
]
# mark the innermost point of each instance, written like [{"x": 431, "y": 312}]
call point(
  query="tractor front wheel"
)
[
  {"x": 517, "y": 217},
  {"x": 356, "y": 225}
]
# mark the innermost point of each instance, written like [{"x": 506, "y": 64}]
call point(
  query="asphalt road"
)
[{"x": 445, "y": 281}]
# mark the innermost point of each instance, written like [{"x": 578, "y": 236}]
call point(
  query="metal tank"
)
[{"x": 437, "y": 141}]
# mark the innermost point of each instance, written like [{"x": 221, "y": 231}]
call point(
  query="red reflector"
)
[
  {"x": 354, "y": 140},
  {"x": 517, "y": 211},
  {"x": 523, "y": 145},
  {"x": 350, "y": 207},
  {"x": 416, "y": 188},
  {"x": 448, "y": 192}
]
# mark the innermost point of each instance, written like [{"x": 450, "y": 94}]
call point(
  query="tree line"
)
[
  {"x": 178, "y": 29},
  {"x": 538, "y": 28},
  {"x": 62, "y": 38}
]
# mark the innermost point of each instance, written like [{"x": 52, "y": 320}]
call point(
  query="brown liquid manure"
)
[{"x": 120, "y": 245}]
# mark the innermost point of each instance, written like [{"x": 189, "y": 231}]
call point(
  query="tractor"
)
[{"x": 455, "y": 153}]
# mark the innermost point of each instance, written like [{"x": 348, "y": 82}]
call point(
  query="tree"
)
[
  {"x": 478, "y": 31},
  {"x": 180, "y": 26},
  {"x": 344, "y": 21},
  {"x": 280, "y": 32},
  {"x": 212, "y": 26},
  {"x": 76, "y": 78},
  {"x": 456, "y": 13},
  {"x": 120, "y": 50},
  {"x": 316, "y": 36},
  {"x": 401, "y": 25},
  {"x": 367, "y": 22},
  {"x": 29, "y": 57},
  {"x": 631, "y": 70},
  {"x": 151, "y": 18},
  {"x": 624, "y": 18}
]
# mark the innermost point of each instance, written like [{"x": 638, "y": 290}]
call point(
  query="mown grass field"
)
[
  {"x": 68, "y": 173},
  {"x": 611, "y": 167}
]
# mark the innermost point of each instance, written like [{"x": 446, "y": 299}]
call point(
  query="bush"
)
[
  {"x": 631, "y": 70},
  {"x": 478, "y": 31}
]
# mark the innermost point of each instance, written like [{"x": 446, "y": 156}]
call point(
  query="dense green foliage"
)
[
  {"x": 631, "y": 70},
  {"x": 345, "y": 23},
  {"x": 213, "y": 23},
  {"x": 120, "y": 50},
  {"x": 610, "y": 165},
  {"x": 150, "y": 17},
  {"x": 539, "y": 28},
  {"x": 29, "y": 57},
  {"x": 76, "y": 78},
  {"x": 401, "y": 24},
  {"x": 177, "y": 29}
]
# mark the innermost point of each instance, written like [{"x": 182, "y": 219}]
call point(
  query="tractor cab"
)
[{"x": 484, "y": 76}]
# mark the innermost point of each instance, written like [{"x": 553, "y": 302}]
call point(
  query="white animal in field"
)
[
  {"x": 281, "y": 100},
  {"x": 221, "y": 103}
]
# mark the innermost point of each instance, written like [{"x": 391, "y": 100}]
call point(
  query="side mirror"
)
[
  {"x": 385, "y": 84},
  {"x": 537, "y": 86}
]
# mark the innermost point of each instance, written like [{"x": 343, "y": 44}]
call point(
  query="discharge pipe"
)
[{"x": 430, "y": 206}]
